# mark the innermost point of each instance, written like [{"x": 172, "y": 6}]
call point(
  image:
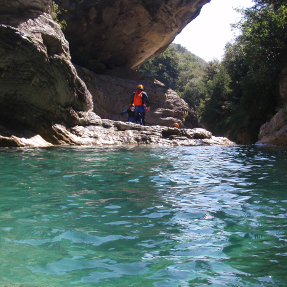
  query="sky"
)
[{"x": 207, "y": 35}]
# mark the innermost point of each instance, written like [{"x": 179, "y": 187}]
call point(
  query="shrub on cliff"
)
[{"x": 56, "y": 14}]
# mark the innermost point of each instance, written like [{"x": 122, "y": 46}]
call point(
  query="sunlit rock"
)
[
  {"x": 39, "y": 85},
  {"x": 275, "y": 131}
]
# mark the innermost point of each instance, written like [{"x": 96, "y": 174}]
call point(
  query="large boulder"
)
[
  {"x": 39, "y": 84},
  {"x": 275, "y": 131},
  {"x": 104, "y": 34},
  {"x": 21, "y": 7},
  {"x": 14, "y": 12}
]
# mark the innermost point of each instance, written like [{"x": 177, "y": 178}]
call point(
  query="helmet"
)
[{"x": 140, "y": 87}]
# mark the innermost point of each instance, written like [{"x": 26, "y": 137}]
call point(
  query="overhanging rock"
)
[{"x": 104, "y": 34}]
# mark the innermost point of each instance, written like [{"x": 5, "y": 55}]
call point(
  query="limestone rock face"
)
[
  {"x": 39, "y": 84},
  {"x": 104, "y": 34},
  {"x": 23, "y": 6},
  {"x": 275, "y": 131},
  {"x": 14, "y": 12}
]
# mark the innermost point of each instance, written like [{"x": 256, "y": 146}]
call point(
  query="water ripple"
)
[{"x": 192, "y": 216}]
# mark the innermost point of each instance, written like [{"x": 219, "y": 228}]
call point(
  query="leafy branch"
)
[
  {"x": 56, "y": 12},
  {"x": 184, "y": 115}
]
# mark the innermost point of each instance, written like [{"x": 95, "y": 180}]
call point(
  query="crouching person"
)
[{"x": 131, "y": 113}]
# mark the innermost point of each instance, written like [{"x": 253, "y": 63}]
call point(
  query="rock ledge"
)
[{"x": 97, "y": 131}]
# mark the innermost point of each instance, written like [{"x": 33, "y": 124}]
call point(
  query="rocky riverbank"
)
[
  {"x": 45, "y": 99},
  {"x": 96, "y": 131}
]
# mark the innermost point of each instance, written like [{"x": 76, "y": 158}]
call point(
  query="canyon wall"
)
[{"x": 45, "y": 99}]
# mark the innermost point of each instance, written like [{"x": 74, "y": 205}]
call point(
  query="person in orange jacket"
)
[{"x": 141, "y": 102}]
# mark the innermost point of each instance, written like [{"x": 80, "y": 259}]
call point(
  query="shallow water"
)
[{"x": 184, "y": 216}]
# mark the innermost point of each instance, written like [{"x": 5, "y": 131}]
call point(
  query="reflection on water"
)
[{"x": 191, "y": 216}]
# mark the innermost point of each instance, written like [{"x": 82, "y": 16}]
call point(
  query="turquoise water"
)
[{"x": 185, "y": 216}]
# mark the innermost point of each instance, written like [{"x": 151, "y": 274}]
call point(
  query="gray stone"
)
[
  {"x": 39, "y": 84},
  {"x": 274, "y": 132},
  {"x": 124, "y": 32},
  {"x": 108, "y": 132}
]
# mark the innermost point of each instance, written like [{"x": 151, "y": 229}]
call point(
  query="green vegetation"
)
[
  {"x": 56, "y": 13},
  {"x": 240, "y": 93},
  {"x": 251, "y": 66},
  {"x": 179, "y": 70}
]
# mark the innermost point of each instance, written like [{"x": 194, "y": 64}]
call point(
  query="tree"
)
[
  {"x": 252, "y": 62},
  {"x": 260, "y": 50},
  {"x": 164, "y": 68},
  {"x": 179, "y": 70},
  {"x": 215, "y": 108}
]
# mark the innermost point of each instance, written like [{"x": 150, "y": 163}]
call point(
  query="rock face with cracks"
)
[
  {"x": 96, "y": 131},
  {"x": 275, "y": 131},
  {"x": 38, "y": 83},
  {"x": 108, "y": 33}
]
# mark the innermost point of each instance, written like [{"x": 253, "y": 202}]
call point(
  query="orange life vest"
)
[{"x": 138, "y": 101}]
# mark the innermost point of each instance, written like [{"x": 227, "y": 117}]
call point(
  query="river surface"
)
[{"x": 176, "y": 216}]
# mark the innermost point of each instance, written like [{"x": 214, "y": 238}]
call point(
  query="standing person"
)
[{"x": 141, "y": 103}]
